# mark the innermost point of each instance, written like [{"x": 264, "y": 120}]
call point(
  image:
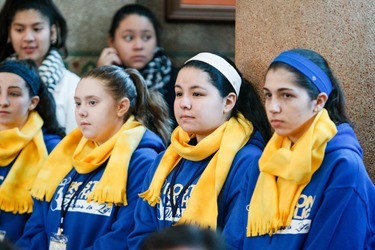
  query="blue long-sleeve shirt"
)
[
  {"x": 13, "y": 224},
  {"x": 336, "y": 210},
  {"x": 90, "y": 225},
  {"x": 149, "y": 219}
]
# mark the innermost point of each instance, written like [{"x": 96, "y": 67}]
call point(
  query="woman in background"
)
[
  {"x": 36, "y": 29},
  {"x": 134, "y": 42},
  {"x": 25, "y": 141}
]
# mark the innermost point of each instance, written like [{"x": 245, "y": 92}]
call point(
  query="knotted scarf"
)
[
  {"x": 86, "y": 156},
  {"x": 27, "y": 149},
  {"x": 285, "y": 170},
  {"x": 226, "y": 141},
  {"x": 157, "y": 71},
  {"x": 51, "y": 69}
]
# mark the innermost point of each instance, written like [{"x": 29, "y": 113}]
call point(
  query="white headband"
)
[{"x": 223, "y": 66}]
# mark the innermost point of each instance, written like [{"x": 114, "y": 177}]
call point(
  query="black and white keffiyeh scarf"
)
[
  {"x": 157, "y": 71},
  {"x": 51, "y": 70}
]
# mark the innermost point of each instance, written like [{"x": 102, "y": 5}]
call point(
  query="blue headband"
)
[
  {"x": 21, "y": 69},
  {"x": 307, "y": 68}
]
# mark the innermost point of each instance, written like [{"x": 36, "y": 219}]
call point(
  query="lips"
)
[
  {"x": 3, "y": 112},
  {"x": 138, "y": 58},
  {"x": 276, "y": 123},
  {"x": 29, "y": 50}
]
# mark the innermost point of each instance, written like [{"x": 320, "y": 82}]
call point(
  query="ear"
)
[
  {"x": 320, "y": 102},
  {"x": 33, "y": 102},
  {"x": 110, "y": 41},
  {"x": 230, "y": 101},
  {"x": 123, "y": 107},
  {"x": 53, "y": 34}
]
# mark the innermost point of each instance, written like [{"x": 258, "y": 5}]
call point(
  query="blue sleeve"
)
[
  {"x": 34, "y": 235},
  {"x": 235, "y": 226},
  {"x": 345, "y": 219},
  {"x": 144, "y": 215},
  {"x": 116, "y": 238}
]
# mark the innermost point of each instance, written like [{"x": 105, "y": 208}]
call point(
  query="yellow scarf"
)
[
  {"x": 285, "y": 171},
  {"x": 86, "y": 156},
  {"x": 27, "y": 145},
  {"x": 226, "y": 141}
]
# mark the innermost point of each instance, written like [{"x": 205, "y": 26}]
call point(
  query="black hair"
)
[
  {"x": 248, "y": 101},
  {"x": 184, "y": 236},
  {"x": 47, "y": 8},
  {"x": 137, "y": 9},
  {"x": 46, "y": 107},
  {"x": 335, "y": 104},
  {"x": 148, "y": 107}
]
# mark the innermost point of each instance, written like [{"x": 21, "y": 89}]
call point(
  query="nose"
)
[
  {"x": 28, "y": 35},
  {"x": 273, "y": 105},
  {"x": 4, "y": 101},
  {"x": 81, "y": 112},
  {"x": 185, "y": 103},
  {"x": 138, "y": 43}
]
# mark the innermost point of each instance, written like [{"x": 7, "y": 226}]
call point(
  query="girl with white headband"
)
[
  {"x": 222, "y": 131},
  {"x": 312, "y": 190}
]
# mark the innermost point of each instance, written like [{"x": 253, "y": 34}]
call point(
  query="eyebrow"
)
[
  {"x": 87, "y": 97},
  {"x": 192, "y": 87},
  {"x": 280, "y": 90}
]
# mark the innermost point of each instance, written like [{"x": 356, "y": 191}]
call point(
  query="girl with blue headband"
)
[
  {"x": 222, "y": 131},
  {"x": 311, "y": 190},
  {"x": 25, "y": 141}
]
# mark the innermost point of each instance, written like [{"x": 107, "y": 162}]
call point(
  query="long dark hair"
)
[
  {"x": 137, "y": 9},
  {"x": 248, "y": 101},
  {"x": 46, "y": 8},
  {"x": 149, "y": 108},
  {"x": 335, "y": 104},
  {"x": 46, "y": 107}
]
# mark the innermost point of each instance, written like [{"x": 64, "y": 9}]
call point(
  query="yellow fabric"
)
[
  {"x": 28, "y": 148},
  {"x": 285, "y": 170},
  {"x": 86, "y": 156},
  {"x": 226, "y": 141}
]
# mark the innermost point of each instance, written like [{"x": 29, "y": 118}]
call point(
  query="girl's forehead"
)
[{"x": 29, "y": 14}]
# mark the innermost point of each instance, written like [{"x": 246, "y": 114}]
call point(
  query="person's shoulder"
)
[
  {"x": 51, "y": 140},
  {"x": 151, "y": 140},
  {"x": 70, "y": 77}
]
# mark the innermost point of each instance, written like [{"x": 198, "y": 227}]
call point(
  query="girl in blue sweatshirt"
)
[
  {"x": 311, "y": 190},
  {"x": 28, "y": 132},
  {"x": 86, "y": 192},
  {"x": 222, "y": 131}
]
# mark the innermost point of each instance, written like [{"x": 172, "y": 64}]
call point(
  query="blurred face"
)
[
  {"x": 289, "y": 108},
  {"x": 15, "y": 101},
  {"x": 98, "y": 115},
  {"x": 198, "y": 107},
  {"x": 31, "y": 35},
  {"x": 135, "y": 41}
]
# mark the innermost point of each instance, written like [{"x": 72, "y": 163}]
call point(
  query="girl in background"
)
[
  {"x": 311, "y": 190},
  {"x": 36, "y": 29},
  {"x": 25, "y": 141},
  {"x": 222, "y": 131},
  {"x": 86, "y": 192},
  {"x": 134, "y": 42}
]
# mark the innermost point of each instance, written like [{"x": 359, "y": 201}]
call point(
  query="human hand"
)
[{"x": 109, "y": 56}]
